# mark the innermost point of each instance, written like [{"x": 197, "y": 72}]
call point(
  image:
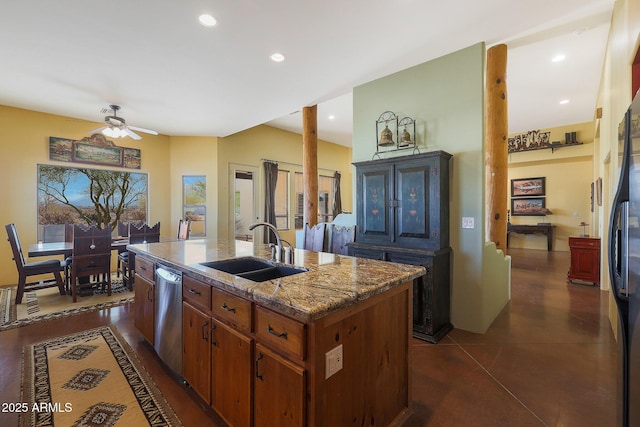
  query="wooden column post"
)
[
  {"x": 310, "y": 163},
  {"x": 496, "y": 142}
]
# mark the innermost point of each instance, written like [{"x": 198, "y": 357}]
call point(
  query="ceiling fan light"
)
[{"x": 108, "y": 132}]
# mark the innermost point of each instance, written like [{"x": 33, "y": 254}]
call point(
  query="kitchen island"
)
[{"x": 326, "y": 346}]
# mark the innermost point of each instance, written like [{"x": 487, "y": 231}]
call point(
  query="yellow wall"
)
[
  {"x": 265, "y": 142},
  {"x": 24, "y": 137},
  {"x": 194, "y": 155},
  {"x": 568, "y": 173},
  {"x": 614, "y": 98}
]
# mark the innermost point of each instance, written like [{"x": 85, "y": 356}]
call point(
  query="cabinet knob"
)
[
  {"x": 279, "y": 335},
  {"x": 213, "y": 342},
  {"x": 227, "y": 308},
  {"x": 205, "y": 337},
  {"x": 258, "y": 376}
]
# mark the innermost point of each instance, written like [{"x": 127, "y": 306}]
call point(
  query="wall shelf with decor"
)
[{"x": 536, "y": 140}]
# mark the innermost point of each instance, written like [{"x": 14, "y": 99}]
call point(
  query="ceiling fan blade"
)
[
  {"x": 152, "y": 132},
  {"x": 100, "y": 129},
  {"x": 132, "y": 134}
]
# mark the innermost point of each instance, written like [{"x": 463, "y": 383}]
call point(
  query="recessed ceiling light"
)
[
  {"x": 559, "y": 57},
  {"x": 564, "y": 101},
  {"x": 331, "y": 117},
  {"x": 207, "y": 20},
  {"x": 277, "y": 57}
]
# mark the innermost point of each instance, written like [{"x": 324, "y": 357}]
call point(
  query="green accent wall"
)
[{"x": 446, "y": 98}]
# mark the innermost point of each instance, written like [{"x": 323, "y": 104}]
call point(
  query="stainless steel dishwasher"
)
[{"x": 168, "y": 313}]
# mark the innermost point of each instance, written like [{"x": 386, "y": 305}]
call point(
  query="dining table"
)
[{"x": 66, "y": 248}]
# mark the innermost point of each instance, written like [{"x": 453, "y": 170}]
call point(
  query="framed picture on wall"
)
[
  {"x": 531, "y": 206},
  {"x": 527, "y": 187}
]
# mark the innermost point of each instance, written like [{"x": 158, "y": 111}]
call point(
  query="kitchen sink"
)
[
  {"x": 238, "y": 265},
  {"x": 254, "y": 269},
  {"x": 272, "y": 273}
]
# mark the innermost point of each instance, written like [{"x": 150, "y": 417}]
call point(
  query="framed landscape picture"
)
[
  {"x": 531, "y": 206},
  {"x": 527, "y": 187}
]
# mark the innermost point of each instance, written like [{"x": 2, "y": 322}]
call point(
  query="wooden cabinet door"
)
[
  {"x": 196, "y": 350},
  {"x": 375, "y": 206},
  {"x": 279, "y": 390},
  {"x": 585, "y": 259},
  {"x": 144, "y": 308},
  {"x": 231, "y": 375},
  {"x": 412, "y": 219}
]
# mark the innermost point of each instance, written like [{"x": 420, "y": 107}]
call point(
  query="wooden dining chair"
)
[
  {"x": 184, "y": 229},
  {"x": 144, "y": 233},
  {"x": 123, "y": 227},
  {"x": 123, "y": 232},
  {"x": 28, "y": 269},
  {"x": 68, "y": 238},
  {"x": 91, "y": 256},
  {"x": 52, "y": 233},
  {"x": 137, "y": 234},
  {"x": 340, "y": 237},
  {"x": 314, "y": 237}
]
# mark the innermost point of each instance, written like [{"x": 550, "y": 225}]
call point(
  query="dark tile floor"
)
[{"x": 549, "y": 358}]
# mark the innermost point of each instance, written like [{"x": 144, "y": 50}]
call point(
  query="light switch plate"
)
[
  {"x": 468, "y": 222},
  {"x": 333, "y": 361}
]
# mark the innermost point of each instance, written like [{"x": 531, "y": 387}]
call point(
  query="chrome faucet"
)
[{"x": 276, "y": 251}]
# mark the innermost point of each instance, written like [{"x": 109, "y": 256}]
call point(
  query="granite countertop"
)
[{"x": 333, "y": 282}]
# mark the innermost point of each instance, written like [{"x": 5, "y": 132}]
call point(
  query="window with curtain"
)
[
  {"x": 326, "y": 191},
  {"x": 282, "y": 200},
  {"x": 270, "y": 181},
  {"x": 299, "y": 201},
  {"x": 325, "y": 198}
]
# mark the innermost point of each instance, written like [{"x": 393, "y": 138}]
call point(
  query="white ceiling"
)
[{"x": 169, "y": 73}]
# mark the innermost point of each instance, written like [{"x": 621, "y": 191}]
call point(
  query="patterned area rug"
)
[
  {"x": 92, "y": 378},
  {"x": 47, "y": 304}
]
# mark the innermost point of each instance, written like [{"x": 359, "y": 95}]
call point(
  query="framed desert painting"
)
[
  {"x": 532, "y": 206},
  {"x": 528, "y": 187}
]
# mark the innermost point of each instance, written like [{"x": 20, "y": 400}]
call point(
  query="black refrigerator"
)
[{"x": 624, "y": 265}]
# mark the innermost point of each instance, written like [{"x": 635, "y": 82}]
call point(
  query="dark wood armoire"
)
[{"x": 402, "y": 215}]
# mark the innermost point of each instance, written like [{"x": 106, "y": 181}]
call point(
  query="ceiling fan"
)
[{"x": 116, "y": 127}]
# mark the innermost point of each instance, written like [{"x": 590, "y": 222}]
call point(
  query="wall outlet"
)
[
  {"x": 333, "y": 361},
  {"x": 468, "y": 222}
]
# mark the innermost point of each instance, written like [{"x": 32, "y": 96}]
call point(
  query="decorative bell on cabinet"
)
[
  {"x": 408, "y": 134},
  {"x": 406, "y": 139},
  {"x": 386, "y": 137}
]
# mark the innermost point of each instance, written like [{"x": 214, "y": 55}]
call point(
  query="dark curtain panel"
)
[
  {"x": 337, "y": 197},
  {"x": 271, "y": 179}
]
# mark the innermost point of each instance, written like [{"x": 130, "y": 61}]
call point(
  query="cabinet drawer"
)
[
  {"x": 403, "y": 258},
  {"x": 144, "y": 268},
  {"x": 367, "y": 253},
  {"x": 281, "y": 333},
  {"x": 196, "y": 292},
  {"x": 231, "y": 309},
  {"x": 584, "y": 243}
]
